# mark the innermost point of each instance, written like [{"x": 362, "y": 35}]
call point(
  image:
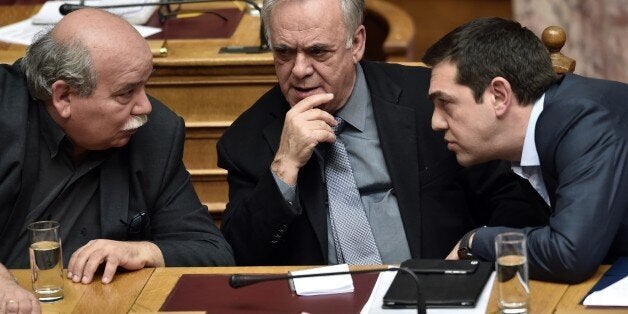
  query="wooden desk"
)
[
  {"x": 116, "y": 297},
  {"x": 146, "y": 290}
]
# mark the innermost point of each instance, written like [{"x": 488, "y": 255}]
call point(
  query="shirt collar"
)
[
  {"x": 354, "y": 110},
  {"x": 529, "y": 155}
]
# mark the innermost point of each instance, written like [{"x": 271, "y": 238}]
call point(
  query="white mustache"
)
[{"x": 135, "y": 122}]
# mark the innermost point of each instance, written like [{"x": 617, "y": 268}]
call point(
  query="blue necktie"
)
[{"x": 351, "y": 231}]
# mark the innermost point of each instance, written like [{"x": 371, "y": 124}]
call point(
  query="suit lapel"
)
[
  {"x": 396, "y": 127},
  {"x": 546, "y": 156}
]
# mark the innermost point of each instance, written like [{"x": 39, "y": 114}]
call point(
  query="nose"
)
[
  {"x": 439, "y": 123},
  {"x": 142, "y": 104},
  {"x": 302, "y": 66}
]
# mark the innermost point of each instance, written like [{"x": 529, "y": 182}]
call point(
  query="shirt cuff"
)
[{"x": 288, "y": 191}]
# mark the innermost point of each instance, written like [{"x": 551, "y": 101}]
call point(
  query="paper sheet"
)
[
  {"x": 24, "y": 32},
  {"x": 375, "y": 301},
  {"x": 613, "y": 295},
  {"x": 323, "y": 284},
  {"x": 49, "y": 12}
]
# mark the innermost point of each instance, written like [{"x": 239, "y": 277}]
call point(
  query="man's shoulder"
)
[
  {"x": 396, "y": 70},
  {"x": 573, "y": 87}
]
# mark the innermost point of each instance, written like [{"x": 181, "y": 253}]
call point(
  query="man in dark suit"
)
[
  {"x": 415, "y": 199},
  {"x": 496, "y": 96},
  {"x": 85, "y": 146}
]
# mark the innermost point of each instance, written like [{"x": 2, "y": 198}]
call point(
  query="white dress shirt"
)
[{"x": 529, "y": 167}]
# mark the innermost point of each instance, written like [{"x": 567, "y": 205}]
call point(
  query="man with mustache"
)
[
  {"x": 292, "y": 199},
  {"x": 84, "y": 145}
]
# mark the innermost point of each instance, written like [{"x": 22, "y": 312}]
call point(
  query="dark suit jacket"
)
[
  {"x": 582, "y": 141},
  {"x": 147, "y": 174},
  {"x": 435, "y": 203}
]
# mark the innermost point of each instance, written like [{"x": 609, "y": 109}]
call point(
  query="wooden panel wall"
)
[{"x": 435, "y": 18}]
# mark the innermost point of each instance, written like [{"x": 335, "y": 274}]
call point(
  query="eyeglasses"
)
[
  {"x": 173, "y": 17},
  {"x": 137, "y": 224}
]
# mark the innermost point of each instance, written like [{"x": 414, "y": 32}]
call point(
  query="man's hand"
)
[
  {"x": 128, "y": 255},
  {"x": 305, "y": 127},
  {"x": 13, "y": 298},
  {"x": 453, "y": 255}
]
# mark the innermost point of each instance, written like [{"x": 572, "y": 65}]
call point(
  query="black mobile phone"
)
[{"x": 441, "y": 266}]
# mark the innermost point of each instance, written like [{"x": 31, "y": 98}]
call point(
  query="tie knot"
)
[{"x": 341, "y": 123}]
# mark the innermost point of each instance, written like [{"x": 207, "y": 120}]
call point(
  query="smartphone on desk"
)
[{"x": 441, "y": 266}]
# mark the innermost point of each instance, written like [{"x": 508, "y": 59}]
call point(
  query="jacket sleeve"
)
[{"x": 257, "y": 215}]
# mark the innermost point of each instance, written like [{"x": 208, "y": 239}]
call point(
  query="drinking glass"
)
[
  {"x": 46, "y": 260},
  {"x": 512, "y": 272}
]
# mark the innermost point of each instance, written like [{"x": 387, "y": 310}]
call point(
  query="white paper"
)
[
  {"x": 24, "y": 32},
  {"x": 375, "y": 301},
  {"x": 21, "y": 33},
  {"x": 323, "y": 284},
  {"x": 613, "y": 295},
  {"x": 49, "y": 12}
]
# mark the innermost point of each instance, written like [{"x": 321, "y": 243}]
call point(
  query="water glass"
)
[
  {"x": 46, "y": 260},
  {"x": 512, "y": 272}
]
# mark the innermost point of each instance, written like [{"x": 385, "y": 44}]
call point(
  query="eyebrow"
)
[
  {"x": 436, "y": 94},
  {"x": 133, "y": 85},
  {"x": 129, "y": 86},
  {"x": 319, "y": 46}
]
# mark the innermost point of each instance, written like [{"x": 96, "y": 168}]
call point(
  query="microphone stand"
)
[
  {"x": 238, "y": 280},
  {"x": 66, "y": 8}
]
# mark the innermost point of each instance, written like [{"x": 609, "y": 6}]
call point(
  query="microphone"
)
[
  {"x": 66, "y": 8},
  {"x": 239, "y": 280}
]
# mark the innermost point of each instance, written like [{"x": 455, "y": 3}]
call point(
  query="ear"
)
[
  {"x": 359, "y": 42},
  {"x": 501, "y": 96},
  {"x": 61, "y": 98}
]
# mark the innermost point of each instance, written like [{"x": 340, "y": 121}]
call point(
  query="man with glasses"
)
[
  {"x": 338, "y": 164},
  {"x": 84, "y": 145}
]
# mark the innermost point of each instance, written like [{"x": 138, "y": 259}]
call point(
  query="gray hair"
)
[
  {"x": 48, "y": 60},
  {"x": 352, "y": 14}
]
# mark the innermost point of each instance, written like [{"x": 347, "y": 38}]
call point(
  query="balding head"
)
[
  {"x": 100, "y": 32},
  {"x": 76, "y": 47}
]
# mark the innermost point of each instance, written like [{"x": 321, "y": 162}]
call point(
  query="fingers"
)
[
  {"x": 453, "y": 255},
  {"x": 85, "y": 262},
  {"x": 129, "y": 255},
  {"x": 19, "y": 301},
  {"x": 77, "y": 263},
  {"x": 110, "y": 271},
  {"x": 12, "y": 306},
  {"x": 313, "y": 102}
]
